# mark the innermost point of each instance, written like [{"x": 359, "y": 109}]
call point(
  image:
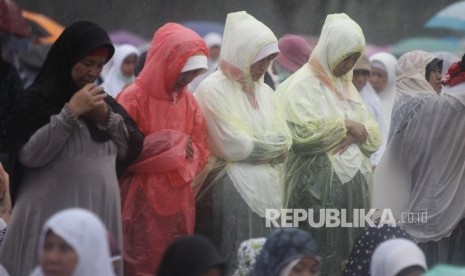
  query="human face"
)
[
  {"x": 378, "y": 79},
  {"x": 128, "y": 65},
  {"x": 258, "y": 69},
  {"x": 185, "y": 78},
  {"x": 58, "y": 257},
  {"x": 435, "y": 79},
  {"x": 87, "y": 70},
  {"x": 306, "y": 267},
  {"x": 346, "y": 65},
  {"x": 360, "y": 79},
  {"x": 215, "y": 52}
]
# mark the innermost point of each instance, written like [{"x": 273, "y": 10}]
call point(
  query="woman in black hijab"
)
[
  {"x": 67, "y": 136},
  {"x": 192, "y": 256}
]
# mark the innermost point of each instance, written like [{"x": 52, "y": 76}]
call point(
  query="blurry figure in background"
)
[
  {"x": 68, "y": 141},
  {"x": 383, "y": 81},
  {"x": 158, "y": 201},
  {"x": 247, "y": 255},
  {"x": 333, "y": 137},
  {"x": 31, "y": 61},
  {"x": 248, "y": 137},
  {"x": 454, "y": 78},
  {"x": 447, "y": 60},
  {"x": 359, "y": 260},
  {"x": 73, "y": 242},
  {"x": 421, "y": 172},
  {"x": 192, "y": 255},
  {"x": 294, "y": 53},
  {"x": 140, "y": 63},
  {"x": 121, "y": 73},
  {"x": 362, "y": 73},
  {"x": 288, "y": 252},
  {"x": 397, "y": 257},
  {"x": 213, "y": 41},
  {"x": 433, "y": 74}
]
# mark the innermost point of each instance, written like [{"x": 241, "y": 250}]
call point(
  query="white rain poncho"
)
[
  {"x": 420, "y": 177},
  {"x": 316, "y": 104},
  {"x": 248, "y": 138},
  {"x": 240, "y": 136}
]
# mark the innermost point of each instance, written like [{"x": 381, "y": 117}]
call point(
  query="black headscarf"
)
[
  {"x": 54, "y": 87},
  {"x": 190, "y": 255}
]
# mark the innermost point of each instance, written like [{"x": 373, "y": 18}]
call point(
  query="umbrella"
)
[
  {"x": 125, "y": 37},
  {"x": 450, "y": 17},
  {"x": 204, "y": 27},
  {"x": 11, "y": 21},
  {"x": 429, "y": 44},
  {"x": 44, "y": 29}
]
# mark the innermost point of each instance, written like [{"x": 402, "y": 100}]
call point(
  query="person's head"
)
[
  {"x": 76, "y": 58},
  {"x": 411, "y": 73},
  {"x": 213, "y": 41},
  {"x": 191, "y": 255},
  {"x": 174, "y": 51},
  {"x": 288, "y": 252},
  {"x": 140, "y": 63},
  {"x": 247, "y": 255},
  {"x": 125, "y": 59},
  {"x": 382, "y": 71},
  {"x": 362, "y": 71},
  {"x": 247, "y": 50},
  {"x": 74, "y": 242},
  {"x": 398, "y": 257},
  {"x": 340, "y": 46},
  {"x": 294, "y": 52},
  {"x": 359, "y": 259},
  {"x": 433, "y": 74}
]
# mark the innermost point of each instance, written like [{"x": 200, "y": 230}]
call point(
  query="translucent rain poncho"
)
[
  {"x": 239, "y": 134},
  {"x": 158, "y": 202},
  {"x": 316, "y": 104}
]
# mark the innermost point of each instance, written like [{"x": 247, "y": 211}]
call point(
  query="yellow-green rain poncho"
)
[
  {"x": 316, "y": 104},
  {"x": 247, "y": 140}
]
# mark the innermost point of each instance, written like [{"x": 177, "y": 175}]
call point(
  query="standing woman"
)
[
  {"x": 333, "y": 138},
  {"x": 248, "y": 137},
  {"x": 67, "y": 138},
  {"x": 158, "y": 202}
]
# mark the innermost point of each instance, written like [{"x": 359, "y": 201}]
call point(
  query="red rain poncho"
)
[{"x": 157, "y": 199}]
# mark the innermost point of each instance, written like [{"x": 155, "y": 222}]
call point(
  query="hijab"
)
[
  {"x": 283, "y": 247},
  {"x": 247, "y": 255},
  {"x": 394, "y": 255},
  {"x": 54, "y": 87},
  {"x": 359, "y": 260},
  {"x": 86, "y": 234},
  {"x": 190, "y": 255},
  {"x": 115, "y": 80}
]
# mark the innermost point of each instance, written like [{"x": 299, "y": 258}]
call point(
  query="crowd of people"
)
[{"x": 167, "y": 161}]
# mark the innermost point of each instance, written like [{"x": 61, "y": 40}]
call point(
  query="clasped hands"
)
[
  {"x": 89, "y": 102},
  {"x": 356, "y": 134}
]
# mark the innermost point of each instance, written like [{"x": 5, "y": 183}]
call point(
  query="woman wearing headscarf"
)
[
  {"x": 158, "y": 202},
  {"x": 397, "y": 257},
  {"x": 420, "y": 177},
  {"x": 192, "y": 255},
  {"x": 359, "y": 260},
  {"x": 288, "y": 252},
  {"x": 248, "y": 138},
  {"x": 247, "y": 255},
  {"x": 67, "y": 138},
  {"x": 74, "y": 242},
  {"x": 383, "y": 81},
  {"x": 121, "y": 73},
  {"x": 333, "y": 137}
]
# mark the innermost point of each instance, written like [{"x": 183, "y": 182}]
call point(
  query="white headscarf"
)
[
  {"x": 115, "y": 81},
  {"x": 394, "y": 255},
  {"x": 86, "y": 234},
  {"x": 388, "y": 94}
]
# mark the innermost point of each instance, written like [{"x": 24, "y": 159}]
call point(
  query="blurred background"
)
[{"x": 397, "y": 25}]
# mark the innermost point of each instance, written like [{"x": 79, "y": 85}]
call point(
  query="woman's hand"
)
[
  {"x": 86, "y": 99},
  {"x": 98, "y": 114},
  {"x": 345, "y": 143},
  {"x": 357, "y": 130}
]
